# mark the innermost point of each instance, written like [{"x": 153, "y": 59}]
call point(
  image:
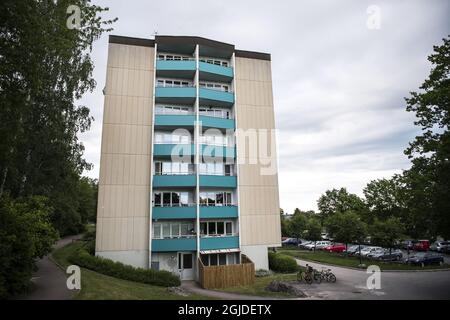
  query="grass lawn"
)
[
  {"x": 258, "y": 288},
  {"x": 344, "y": 261},
  {"x": 96, "y": 286}
]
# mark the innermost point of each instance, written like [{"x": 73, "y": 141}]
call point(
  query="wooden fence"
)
[{"x": 214, "y": 277}]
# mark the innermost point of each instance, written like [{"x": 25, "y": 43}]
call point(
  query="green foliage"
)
[
  {"x": 25, "y": 235},
  {"x": 282, "y": 263},
  {"x": 313, "y": 229},
  {"x": 334, "y": 201},
  {"x": 44, "y": 68},
  {"x": 108, "y": 267},
  {"x": 346, "y": 227},
  {"x": 386, "y": 233},
  {"x": 428, "y": 180},
  {"x": 297, "y": 225}
]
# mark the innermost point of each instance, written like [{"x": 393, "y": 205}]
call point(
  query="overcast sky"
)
[{"x": 338, "y": 85}]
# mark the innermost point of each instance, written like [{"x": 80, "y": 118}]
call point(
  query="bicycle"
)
[
  {"x": 306, "y": 276},
  {"x": 327, "y": 275}
]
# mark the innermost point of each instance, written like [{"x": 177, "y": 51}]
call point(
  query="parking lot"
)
[{"x": 352, "y": 284}]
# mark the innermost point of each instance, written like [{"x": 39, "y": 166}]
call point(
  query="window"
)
[
  {"x": 166, "y": 230},
  {"x": 156, "y": 231},
  {"x": 220, "y": 228},
  {"x": 175, "y": 229},
  {"x": 228, "y": 228},
  {"x": 228, "y": 200},
  {"x": 203, "y": 228},
  {"x": 184, "y": 198},
  {"x": 175, "y": 199},
  {"x": 219, "y": 199},
  {"x": 211, "y": 228},
  {"x": 187, "y": 261},
  {"x": 157, "y": 199},
  {"x": 211, "y": 199},
  {"x": 222, "y": 259},
  {"x": 205, "y": 259},
  {"x": 166, "y": 199},
  {"x": 213, "y": 259}
]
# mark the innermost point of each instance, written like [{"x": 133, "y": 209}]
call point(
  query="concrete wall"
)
[
  {"x": 258, "y": 188},
  {"x": 125, "y": 163}
]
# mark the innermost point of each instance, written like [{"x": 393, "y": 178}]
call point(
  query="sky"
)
[{"x": 340, "y": 72}]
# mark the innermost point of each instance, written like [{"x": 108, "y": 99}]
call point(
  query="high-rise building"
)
[{"x": 188, "y": 163}]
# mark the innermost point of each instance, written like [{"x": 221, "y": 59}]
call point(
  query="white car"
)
[
  {"x": 368, "y": 250},
  {"x": 322, "y": 244}
]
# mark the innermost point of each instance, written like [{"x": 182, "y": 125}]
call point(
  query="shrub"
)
[
  {"x": 282, "y": 263},
  {"x": 89, "y": 235},
  {"x": 119, "y": 270},
  {"x": 90, "y": 247}
]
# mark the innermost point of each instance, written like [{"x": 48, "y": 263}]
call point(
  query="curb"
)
[{"x": 362, "y": 270}]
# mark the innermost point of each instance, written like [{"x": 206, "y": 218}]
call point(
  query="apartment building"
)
[{"x": 179, "y": 184}]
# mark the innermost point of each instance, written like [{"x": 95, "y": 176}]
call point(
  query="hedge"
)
[
  {"x": 282, "y": 263},
  {"x": 119, "y": 270}
]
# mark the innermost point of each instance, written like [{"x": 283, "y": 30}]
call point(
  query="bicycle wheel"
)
[
  {"x": 308, "y": 279},
  {"x": 299, "y": 276},
  {"x": 331, "y": 278}
]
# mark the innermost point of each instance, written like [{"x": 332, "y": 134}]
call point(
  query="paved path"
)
[
  {"x": 50, "y": 281},
  {"x": 351, "y": 284}
]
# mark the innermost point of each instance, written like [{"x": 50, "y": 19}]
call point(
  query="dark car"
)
[
  {"x": 425, "y": 258},
  {"x": 390, "y": 255},
  {"x": 291, "y": 242}
]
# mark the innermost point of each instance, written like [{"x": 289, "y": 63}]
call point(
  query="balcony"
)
[
  {"x": 218, "y": 151},
  {"x": 212, "y": 72},
  {"x": 216, "y": 122},
  {"x": 175, "y": 180},
  {"x": 214, "y": 243},
  {"x": 172, "y": 120},
  {"x": 176, "y": 68},
  {"x": 218, "y": 212},
  {"x": 169, "y": 150},
  {"x": 181, "y": 95},
  {"x": 216, "y": 97},
  {"x": 188, "y": 212},
  {"x": 174, "y": 244},
  {"x": 218, "y": 181}
]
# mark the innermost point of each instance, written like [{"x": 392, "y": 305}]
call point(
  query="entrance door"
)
[{"x": 186, "y": 265}]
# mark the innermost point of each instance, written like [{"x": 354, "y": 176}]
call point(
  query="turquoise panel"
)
[
  {"x": 218, "y": 151},
  {"x": 183, "y": 92},
  {"x": 174, "y": 180},
  {"x": 174, "y": 120},
  {"x": 177, "y": 149},
  {"x": 212, "y": 68},
  {"x": 212, "y": 243},
  {"x": 216, "y": 95},
  {"x": 218, "y": 181},
  {"x": 219, "y": 212},
  {"x": 174, "y": 212},
  {"x": 214, "y": 122},
  {"x": 179, "y": 244},
  {"x": 166, "y": 65}
]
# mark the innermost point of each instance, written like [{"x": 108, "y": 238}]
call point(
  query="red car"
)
[
  {"x": 421, "y": 245},
  {"x": 335, "y": 247}
]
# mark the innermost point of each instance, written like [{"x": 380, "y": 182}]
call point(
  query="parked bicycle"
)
[{"x": 327, "y": 275}]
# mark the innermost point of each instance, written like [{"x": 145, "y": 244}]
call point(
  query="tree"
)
[
  {"x": 297, "y": 226},
  {"x": 45, "y": 67},
  {"x": 428, "y": 180},
  {"x": 313, "y": 230},
  {"x": 346, "y": 227},
  {"x": 334, "y": 201},
  {"x": 25, "y": 235},
  {"x": 384, "y": 198},
  {"x": 386, "y": 233}
]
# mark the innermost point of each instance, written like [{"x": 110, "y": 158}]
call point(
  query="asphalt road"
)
[
  {"x": 351, "y": 284},
  {"x": 50, "y": 281}
]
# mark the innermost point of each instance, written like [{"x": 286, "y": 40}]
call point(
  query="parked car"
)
[
  {"x": 354, "y": 248},
  {"x": 367, "y": 250},
  {"x": 425, "y": 258},
  {"x": 335, "y": 247},
  {"x": 322, "y": 244},
  {"x": 390, "y": 255},
  {"x": 440, "y": 246},
  {"x": 407, "y": 244},
  {"x": 375, "y": 253},
  {"x": 290, "y": 242},
  {"x": 303, "y": 244},
  {"x": 421, "y": 245}
]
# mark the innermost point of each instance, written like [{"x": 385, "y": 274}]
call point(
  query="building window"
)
[
  {"x": 171, "y": 199},
  {"x": 216, "y": 198},
  {"x": 216, "y": 228},
  {"x": 168, "y": 230}
]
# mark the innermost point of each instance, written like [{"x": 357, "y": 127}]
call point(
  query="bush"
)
[
  {"x": 282, "y": 263},
  {"x": 90, "y": 247},
  {"x": 89, "y": 235},
  {"x": 119, "y": 270}
]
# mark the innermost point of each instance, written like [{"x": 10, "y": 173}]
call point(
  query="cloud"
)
[{"x": 339, "y": 87}]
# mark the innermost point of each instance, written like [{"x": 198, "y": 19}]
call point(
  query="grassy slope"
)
[
  {"x": 96, "y": 286},
  {"x": 340, "y": 260}
]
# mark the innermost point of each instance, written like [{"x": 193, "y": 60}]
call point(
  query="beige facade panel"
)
[
  {"x": 125, "y": 163},
  {"x": 259, "y": 207}
]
